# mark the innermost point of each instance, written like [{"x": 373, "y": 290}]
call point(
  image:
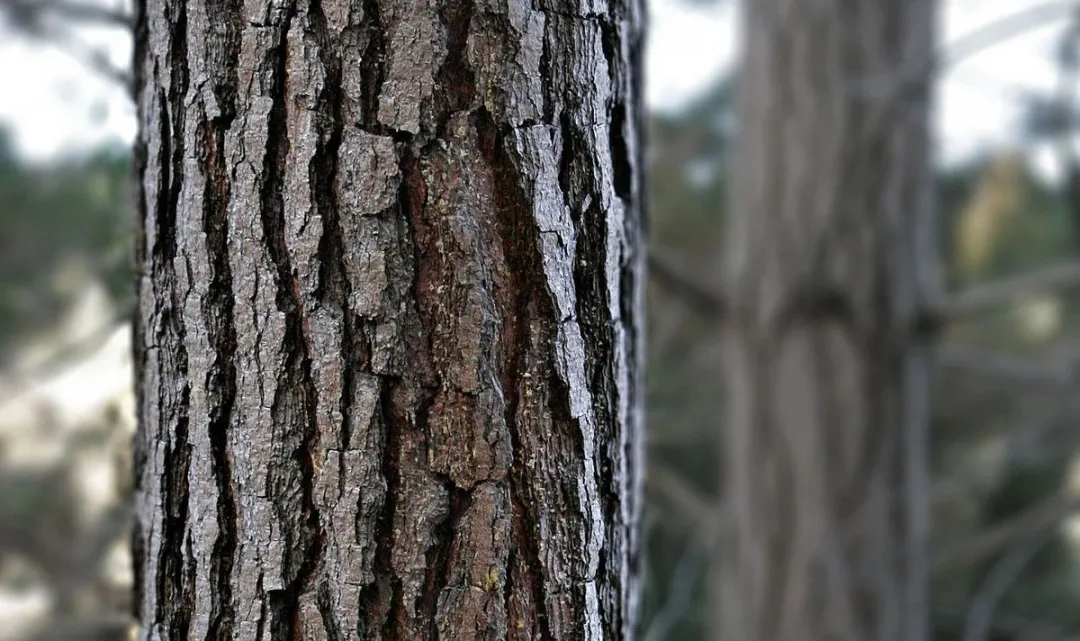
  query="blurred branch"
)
[
  {"x": 966, "y": 303},
  {"x": 677, "y": 279},
  {"x": 29, "y": 18},
  {"x": 983, "y": 297},
  {"x": 1009, "y": 624},
  {"x": 1004, "y": 574},
  {"x": 705, "y": 518},
  {"x": 1064, "y": 111},
  {"x": 679, "y": 590},
  {"x": 897, "y": 83},
  {"x": 27, "y": 14},
  {"x": 1060, "y": 372},
  {"x": 1024, "y": 525},
  {"x": 678, "y": 430},
  {"x": 1006, "y": 28},
  {"x": 97, "y": 61},
  {"x": 15, "y": 383},
  {"x": 87, "y": 627},
  {"x": 698, "y": 510}
]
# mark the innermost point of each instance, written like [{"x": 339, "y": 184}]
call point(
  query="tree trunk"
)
[
  {"x": 831, "y": 257},
  {"x": 389, "y": 333}
]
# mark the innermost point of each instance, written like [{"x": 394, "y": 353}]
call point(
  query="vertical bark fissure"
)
[
  {"x": 411, "y": 408},
  {"x": 548, "y": 109},
  {"x": 515, "y": 231},
  {"x": 456, "y": 86},
  {"x": 174, "y": 115},
  {"x": 622, "y": 164},
  {"x": 334, "y": 290},
  {"x": 176, "y": 583},
  {"x": 383, "y": 597},
  {"x": 295, "y": 400},
  {"x": 221, "y": 386},
  {"x": 439, "y": 557},
  {"x": 333, "y": 285},
  {"x": 217, "y": 314},
  {"x": 565, "y": 137},
  {"x": 373, "y": 70},
  {"x": 329, "y": 617},
  {"x": 264, "y": 613},
  {"x": 456, "y": 77}
]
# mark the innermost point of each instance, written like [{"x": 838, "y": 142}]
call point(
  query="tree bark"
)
[
  {"x": 389, "y": 332},
  {"x": 830, "y": 258}
]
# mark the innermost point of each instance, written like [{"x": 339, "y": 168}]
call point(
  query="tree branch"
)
[
  {"x": 678, "y": 281},
  {"x": 897, "y": 83},
  {"x": 966, "y": 303},
  {"x": 28, "y": 17},
  {"x": 983, "y": 297},
  {"x": 13, "y": 384},
  {"x": 1006, "y": 28},
  {"x": 1024, "y": 525},
  {"x": 705, "y": 518},
  {"x": 698, "y": 510},
  {"x": 680, "y": 593},
  {"x": 1004, "y": 574},
  {"x": 96, "y": 60},
  {"x": 24, "y": 13},
  {"x": 1059, "y": 372}
]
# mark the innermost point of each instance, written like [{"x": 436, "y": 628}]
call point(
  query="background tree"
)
[{"x": 829, "y": 259}]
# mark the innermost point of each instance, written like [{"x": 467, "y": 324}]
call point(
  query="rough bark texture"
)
[
  {"x": 388, "y": 328},
  {"x": 829, "y": 261}
]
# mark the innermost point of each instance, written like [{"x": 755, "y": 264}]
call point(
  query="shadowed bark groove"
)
[
  {"x": 221, "y": 384},
  {"x": 389, "y": 327},
  {"x": 828, "y": 259}
]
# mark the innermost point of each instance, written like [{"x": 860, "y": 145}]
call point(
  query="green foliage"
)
[
  {"x": 687, "y": 169},
  {"x": 61, "y": 226}
]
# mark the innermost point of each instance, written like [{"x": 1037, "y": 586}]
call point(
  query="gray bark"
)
[
  {"x": 829, "y": 264},
  {"x": 389, "y": 332}
]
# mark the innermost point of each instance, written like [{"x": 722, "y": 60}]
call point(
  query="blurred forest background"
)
[{"x": 1006, "y": 430}]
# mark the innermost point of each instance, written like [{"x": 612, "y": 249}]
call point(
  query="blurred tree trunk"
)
[
  {"x": 388, "y": 329},
  {"x": 830, "y": 256}
]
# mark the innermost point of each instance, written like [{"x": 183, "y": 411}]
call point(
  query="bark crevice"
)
[
  {"x": 221, "y": 386},
  {"x": 293, "y": 410}
]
